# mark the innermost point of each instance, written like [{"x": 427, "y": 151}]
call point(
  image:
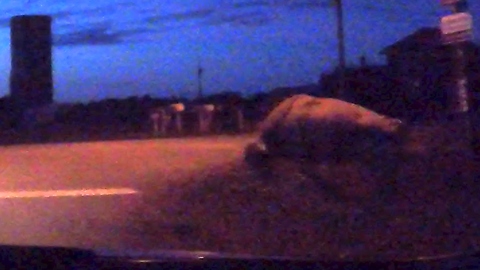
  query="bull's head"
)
[
  {"x": 399, "y": 129},
  {"x": 396, "y": 124},
  {"x": 390, "y": 125}
]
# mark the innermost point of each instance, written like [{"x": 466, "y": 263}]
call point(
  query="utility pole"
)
[
  {"x": 341, "y": 49},
  {"x": 199, "y": 78}
]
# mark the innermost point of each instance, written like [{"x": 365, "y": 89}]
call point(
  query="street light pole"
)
[{"x": 341, "y": 49}]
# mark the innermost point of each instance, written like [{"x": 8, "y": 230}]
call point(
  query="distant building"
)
[
  {"x": 370, "y": 86},
  {"x": 416, "y": 81},
  {"x": 424, "y": 65}
]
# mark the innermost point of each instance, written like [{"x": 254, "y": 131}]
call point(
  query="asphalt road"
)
[{"x": 82, "y": 194}]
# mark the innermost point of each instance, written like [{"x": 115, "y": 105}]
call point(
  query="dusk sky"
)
[{"x": 120, "y": 48}]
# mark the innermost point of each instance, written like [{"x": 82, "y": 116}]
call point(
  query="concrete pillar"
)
[
  {"x": 31, "y": 76},
  {"x": 161, "y": 119},
  {"x": 155, "y": 117},
  {"x": 205, "y": 117},
  {"x": 177, "y": 109},
  {"x": 165, "y": 120}
]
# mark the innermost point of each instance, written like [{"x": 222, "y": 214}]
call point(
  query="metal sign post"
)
[{"x": 457, "y": 29}]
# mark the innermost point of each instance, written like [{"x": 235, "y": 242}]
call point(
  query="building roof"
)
[{"x": 423, "y": 39}]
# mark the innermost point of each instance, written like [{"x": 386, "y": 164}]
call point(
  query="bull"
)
[{"x": 304, "y": 126}]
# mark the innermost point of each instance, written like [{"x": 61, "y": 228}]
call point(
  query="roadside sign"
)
[
  {"x": 457, "y": 37},
  {"x": 456, "y": 23}
]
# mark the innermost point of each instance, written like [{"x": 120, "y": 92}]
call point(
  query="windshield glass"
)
[{"x": 319, "y": 128}]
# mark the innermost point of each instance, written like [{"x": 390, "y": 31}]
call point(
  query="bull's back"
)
[{"x": 279, "y": 113}]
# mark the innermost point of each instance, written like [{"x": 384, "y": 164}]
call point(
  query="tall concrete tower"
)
[{"x": 31, "y": 76}]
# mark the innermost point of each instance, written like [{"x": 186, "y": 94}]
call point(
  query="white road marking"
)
[{"x": 66, "y": 193}]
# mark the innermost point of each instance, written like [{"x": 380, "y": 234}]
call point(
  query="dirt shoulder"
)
[{"x": 418, "y": 203}]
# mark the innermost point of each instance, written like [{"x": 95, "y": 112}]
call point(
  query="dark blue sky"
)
[{"x": 119, "y": 48}]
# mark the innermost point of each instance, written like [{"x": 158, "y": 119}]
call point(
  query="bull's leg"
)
[
  {"x": 164, "y": 125},
  {"x": 256, "y": 153},
  {"x": 204, "y": 122}
]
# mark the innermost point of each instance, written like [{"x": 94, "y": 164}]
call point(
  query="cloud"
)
[
  {"x": 427, "y": 10},
  {"x": 309, "y": 4},
  {"x": 58, "y": 15},
  {"x": 102, "y": 10},
  {"x": 69, "y": 29},
  {"x": 396, "y": 14},
  {"x": 4, "y": 22},
  {"x": 258, "y": 17},
  {"x": 194, "y": 14},
  {"x": 96, "y": 35},
  {"x": 233, "y": 16},
  {"x": 251, "y": 4},
  {"x": 66, "y": 12},
  {"x": 245, "y": 19}
]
